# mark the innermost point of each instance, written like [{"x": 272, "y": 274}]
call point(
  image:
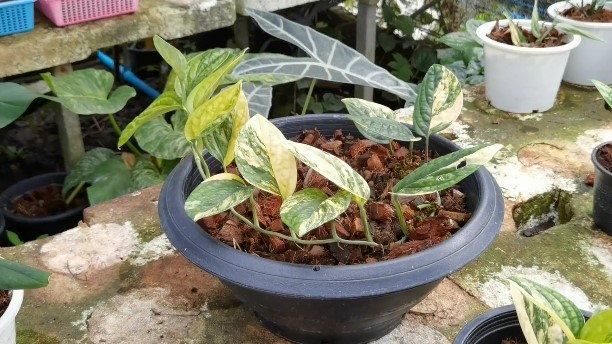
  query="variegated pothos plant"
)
[
  {"x": 548, "y": 317},
  {"x": 266, "y": 161}
]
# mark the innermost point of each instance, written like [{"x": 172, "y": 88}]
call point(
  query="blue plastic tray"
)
[{"x": 16, "y": 16}]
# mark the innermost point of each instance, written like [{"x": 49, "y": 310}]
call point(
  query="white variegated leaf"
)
[
  {"x": 259, "y": 97},
  {"x": 604, "y": 90},
  {"x": 310, "y": 208},
  {"x": 263, "y": 159},
  {"x": 217, "y": 194},
  {"x": 329, "y": 59},
  {"x": 332, "y": 168}
]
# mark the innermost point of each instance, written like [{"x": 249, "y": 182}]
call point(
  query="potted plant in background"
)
[
  {"x": 591, "y": 59},
  {"x": 540, "y": 315},
  {"x": 602, "y": 160},
  {"x": 309, "y": 202},
  {"x": 525, "y": 60},
  {"x": 15, "y": 277}
]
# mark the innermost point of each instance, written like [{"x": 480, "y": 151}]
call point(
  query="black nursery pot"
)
[
  {"x": 493, "y": 327},
  {"x": 602, "y": 194},
  {"x": 30, "y": 228},
  {"x": 330, "y": 304}
]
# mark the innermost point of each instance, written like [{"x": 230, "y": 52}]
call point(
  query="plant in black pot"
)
[
  {"x": 540, "y": 316},
  {"x": 333, "y": 234},
  {"x": 602, "y": 160},
  {"x": 15, "y": 277}
]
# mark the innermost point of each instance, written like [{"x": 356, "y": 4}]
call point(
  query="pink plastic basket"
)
[{"x": 67, "y": 12}]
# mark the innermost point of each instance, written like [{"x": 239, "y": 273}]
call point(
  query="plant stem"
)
[
  {"x": 391, "y": 147},
  {"x": 74, "y": 193},
  {"x": 308, "y": 96},
  {"x": 410, "y": 148},
  {"x": 427, "y": 149},
  {"x": 113, "y": 122},
  {"x": 364, "y": 219},
  {"x": 202, "y": 168},
  {"x": 346, "y": 241},
  {"x": 400, "y": 214}
]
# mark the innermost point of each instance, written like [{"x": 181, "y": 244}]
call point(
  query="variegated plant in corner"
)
[{"x": 547, "y": 317}]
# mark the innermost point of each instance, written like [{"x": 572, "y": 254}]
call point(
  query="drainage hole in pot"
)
[
  {"x": 542, "y": 212},
  {"x": 316, "y": 268}
]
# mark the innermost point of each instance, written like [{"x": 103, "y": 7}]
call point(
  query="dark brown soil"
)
[
  {"x": 44, "y": 201},
  {"x": 5, "y": 299},
  {"x": 585, "y": 14},
  {"x": 604, "y": 156},
  {"x": 502, "y": 34},
  {"x": 513, "y": 341},
  {"x": 431, "y": 223}
]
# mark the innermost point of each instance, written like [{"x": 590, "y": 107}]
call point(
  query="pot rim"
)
[
  {"x": 596, "y": 162},
  {"x": 34, "y": 220},
  {"x": 12, "y": 309},
  {"x": 330, "y": 282},
  {"x": 484, "y": 29},
  {"x": 554, "y": 11}
]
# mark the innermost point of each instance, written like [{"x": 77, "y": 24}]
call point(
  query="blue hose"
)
[{"x": 128, "y": 76}]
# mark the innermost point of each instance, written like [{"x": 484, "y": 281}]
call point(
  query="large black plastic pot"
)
[
  {"x": 30, "y": 228},
  {"x": 602, "y": 194},
  {"x": 493, "y": 327},
  {"x": 330, "y": 304}
]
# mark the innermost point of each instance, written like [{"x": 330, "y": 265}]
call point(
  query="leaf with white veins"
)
[
  {"x": 217, "y": 194},
  {"x": 377, "y": 121},
  {"x": 310, "y": 208}
]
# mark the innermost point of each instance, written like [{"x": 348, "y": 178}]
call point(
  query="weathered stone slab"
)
[
  {"x": 267, "y": 5},
  {"x": 49, "y": 46}
]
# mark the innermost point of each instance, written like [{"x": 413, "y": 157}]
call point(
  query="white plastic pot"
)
[
  {"x": 592, "y": 59},
  {"x": 7, "y": 321},
  {"x": 522, "y": 79}
]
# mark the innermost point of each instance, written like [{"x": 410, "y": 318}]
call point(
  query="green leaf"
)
[
  {"x": 598, "y": 328},
  {"x": 111, "y": 179},
  {"x": 166, "y": 102},
  {"x": 535, "y": 20},
  {"x": 212, "y": 112},
  {"x": 85, "y": 169},
  {"x": 568, "y": 28},
  {"x": 216, "y": 195},
  {"x": 310, "y": 208},
  {"x": 387, "y": 41},
  {"x": 263, "y": 160},
  {"x": 14, "y": 101},
  {"x": 15, "y": 276},
  {"x": 377, "y": 121},
  {"x": 423, "y": 57},
  {"x": 442, "y": 173},
  {"x": 221, "y": 143},
  {"x": 604, "y": 90},
  {"x": 145, "y": 174},
  {"x": 161, "y": 140},
  {"x": 88, "y": 92},
  {"x": 546, "y": 316},
  {"x": 459, "y": 40},
  {"x": 171, "y": 55},
  {"x": 201, "y": 65},
  {"x": 333, "y": 168},
  {"x": 13, "y": 238},
  {"x": 439, "y": 101},
  {"x": 202, "y": 92},
  {"x": 471, "y": 26}
]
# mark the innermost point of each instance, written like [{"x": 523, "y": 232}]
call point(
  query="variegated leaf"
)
[
  {"x": 166, "y": 102},
  {"x": 217, "y": 194},
  {"x": 212, "y": 112},
  {"x": 598, "y": 329},
  {"x": 329, "y": 59},
  {"x": 263, "y": 159},
  {"x": 442, "y": 173},
  {"x": 203, "y": 64},
  {"x": 546, "y": 316},
  {"x": 171, "y": 55},
  {"x": 310, "y": 208},
  {"x": 161, "y": 140},
  {"x": 259, "y": 97},
  {"x": 377, "y": 121},
  {"x": 439, "y": 101},
  {"x": 604, "y": 90},
  {"x": 332, "y": 168}
]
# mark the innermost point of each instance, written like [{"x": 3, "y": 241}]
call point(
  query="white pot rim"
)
[
  {"x": 13, "y": 308},
  {"x": 484, "y": 29},
  {"x": 554, "y": 11}
]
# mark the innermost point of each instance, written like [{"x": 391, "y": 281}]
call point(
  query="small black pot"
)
[
  {"x": 602, "y": 194},
  {"x": 493, "y": 327},
  {"x": 29, "y": 228},
  {"x": 330, "y": 304}
]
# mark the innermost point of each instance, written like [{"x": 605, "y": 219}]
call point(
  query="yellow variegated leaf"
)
[
  {"x": 216, "y": 195},
  {"x": 310, "y": 208},
  {"x": 239, "y": 119},
  {"x": 213, "y": 112},
  {"x": 263, "y": 159}
]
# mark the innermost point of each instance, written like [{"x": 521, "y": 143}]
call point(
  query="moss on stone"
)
[{"x": 27, "y": 336}]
